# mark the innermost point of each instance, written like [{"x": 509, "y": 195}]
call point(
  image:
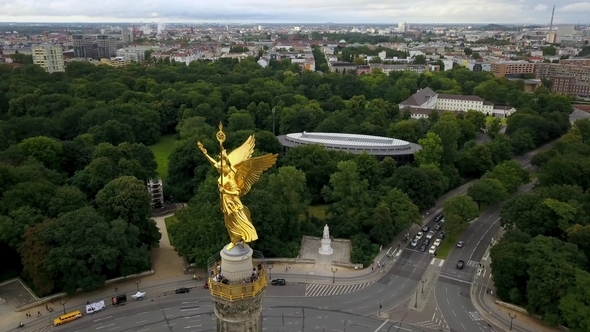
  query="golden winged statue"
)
[{"x": 238, "y": 171}]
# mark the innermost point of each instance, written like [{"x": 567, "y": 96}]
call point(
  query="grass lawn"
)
[
  {"x": 318, "y": 211},
  {"x": 449, "y": 243},
  {"x": 489, "y": 120},
  {"x": 169, "y": 222},
  {"x": 161, "y": 151}
]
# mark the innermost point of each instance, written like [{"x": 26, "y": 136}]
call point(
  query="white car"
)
[
  {"x": 430, "y": 235},
  {"x": 432, "y": 250},
  {"x": 437, "y": 242},
  {"x": 139, "y": 296},
  {"x": 414, "y": 242},
  {"x": 419, "y": 235}
]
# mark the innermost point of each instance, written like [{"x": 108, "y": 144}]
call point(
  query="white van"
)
[{"x": 95, "y": 307}]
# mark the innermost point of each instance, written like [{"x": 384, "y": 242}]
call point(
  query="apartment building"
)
[
  {"x": 131, "y": 55},
  {"x": 49, "y": 57},
  {"x": 569, "y": 86},
  {"x": 575, "y": 62},
  {"x": 83, "y": 46},
  {"x": 512, "y": 68},
  {"x": 553, "y": 70},
  {"x": 107, "y": 46},
  {"x": 387, "y": 69}
]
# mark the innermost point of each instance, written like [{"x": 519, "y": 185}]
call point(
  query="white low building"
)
[{"x": 426, "y": 99}]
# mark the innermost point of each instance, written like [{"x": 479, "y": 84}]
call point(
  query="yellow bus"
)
[{"x": 67, "y": 318}]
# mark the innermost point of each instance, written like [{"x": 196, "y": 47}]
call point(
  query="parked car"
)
[
  {"x": 425, "y": 228},
  {"x": 437, "y": 242},
  {"x": 437, "y": 227},
  {"x": 414, "y": 242},
  {"x": 441, "y": 235},
  {"x": 430, "y": 235},
  {"x": 423, "y": 248},
  {"x": 182, "y": 290},
  {"x": 460, "y": 264},
  {"x": 426, "y": 242},
  {"x": 460, "y": 244},
  {"x": 419, "y": 235},
  {"x": 278, "y": 282},
  {"x": 432, "y": 250},
  {"x": 439, "y": 218}
]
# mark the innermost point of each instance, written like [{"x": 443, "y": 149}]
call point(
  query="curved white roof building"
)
[{"x": 374, "y": 145}]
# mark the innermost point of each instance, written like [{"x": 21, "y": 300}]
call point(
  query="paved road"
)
[{"x": 185, "y": 312}]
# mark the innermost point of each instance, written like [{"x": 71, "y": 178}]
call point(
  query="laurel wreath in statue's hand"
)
[{"x": 202, "y": 147}]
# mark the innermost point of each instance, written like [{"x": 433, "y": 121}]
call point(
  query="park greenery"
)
[
  {"x": 541, "y": 261},
  {"x": 74, "y": 158}
]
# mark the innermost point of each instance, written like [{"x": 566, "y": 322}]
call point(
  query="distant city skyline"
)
[{"x": 302, "y": 11}]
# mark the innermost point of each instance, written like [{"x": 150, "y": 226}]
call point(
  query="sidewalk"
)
[{"x": 486, "y": 305}]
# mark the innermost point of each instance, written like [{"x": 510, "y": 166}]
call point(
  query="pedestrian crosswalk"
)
[
  {"x": 47, "y": 328},
  {"x": 312, "y": 290},
  {"x": 472, "y": 263},
  {"x": 475, "y": 315},
  {"x": 436, "y": 322}
]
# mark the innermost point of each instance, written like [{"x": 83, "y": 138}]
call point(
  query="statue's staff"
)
[{"x": 221, "y": 138}]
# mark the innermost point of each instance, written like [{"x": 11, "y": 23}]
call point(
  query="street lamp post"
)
[
  {"x": 137, "y": 284},
  {"x": 63, "y": 304},
  {"x": 416, "y": 303},
  {"x": 380, "y": 306},
  {"x": 334, "y": 270},
  {"x": 423, "y": 281},
  {"x": 273, "y": 121},
  {"x": 511, "y": 319},
  {"x": 270, "y": 271}
]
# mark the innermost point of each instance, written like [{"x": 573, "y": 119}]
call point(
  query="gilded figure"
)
[{"x": 238, "y": 171}]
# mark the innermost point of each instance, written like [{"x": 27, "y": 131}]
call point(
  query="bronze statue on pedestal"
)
[{"x": 238, "y": 171}]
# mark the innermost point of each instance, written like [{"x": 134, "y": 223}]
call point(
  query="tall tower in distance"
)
[{"x": 551, "y": 37}]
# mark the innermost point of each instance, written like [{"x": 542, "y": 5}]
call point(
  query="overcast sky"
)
[{"x": 296, "y": 11}]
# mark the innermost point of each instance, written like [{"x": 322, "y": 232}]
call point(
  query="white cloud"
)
[
  {"x": 577, "y": 7},
  {"x": 541, "y": 7},
  {"x": 292, "y": 11}
]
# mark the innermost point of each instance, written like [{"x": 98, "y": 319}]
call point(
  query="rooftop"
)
[{"x": 354, "y": 143}]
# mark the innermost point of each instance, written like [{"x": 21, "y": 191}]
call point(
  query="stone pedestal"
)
[
  {"x": 239, "y": 316},
  {"x": 326, "y": 248},
  {"x": 238, "y": 308},
  {"x": 236, "y": 264}
]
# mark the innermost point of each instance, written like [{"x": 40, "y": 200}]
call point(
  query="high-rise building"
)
[
  {"x": 83, "y": 46},
  {"x": 126, "y": 35},
  {"x": 403, "y": 27},
  {"x": 107, "y": 46},
  {"x": 49, "y": 57}
]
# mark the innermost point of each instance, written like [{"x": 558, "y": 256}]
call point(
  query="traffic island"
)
[{"x": 423, "y": 290}]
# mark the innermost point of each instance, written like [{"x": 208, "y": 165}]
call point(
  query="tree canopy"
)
[{"x": 74, "y": 158}]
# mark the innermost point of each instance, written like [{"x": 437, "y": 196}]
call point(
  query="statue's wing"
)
[
  {"x": 249, "y": 171},
  {"x": 243, "y": 153}
]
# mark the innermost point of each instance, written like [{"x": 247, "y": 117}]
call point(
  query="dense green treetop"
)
[{"x": 73, "y": 154}]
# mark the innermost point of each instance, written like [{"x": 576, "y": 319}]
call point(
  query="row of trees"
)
[{"x": 541, "y": 262}]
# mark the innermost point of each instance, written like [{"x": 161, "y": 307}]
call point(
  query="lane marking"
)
[
  {"x": 102, "y": 327},
  {"x": 98, "y": 320},
  {"x": 379, "y": 328}
]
